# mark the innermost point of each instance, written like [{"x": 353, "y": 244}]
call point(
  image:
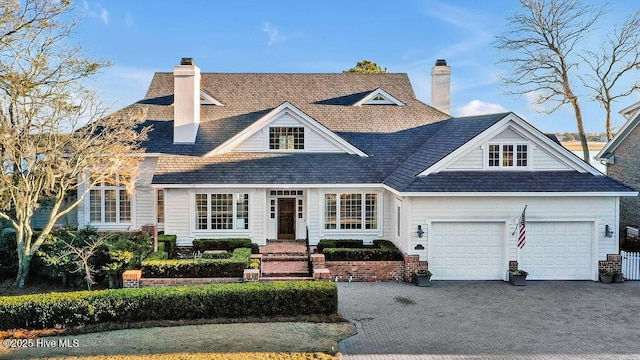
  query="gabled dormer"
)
[
  {"x": 287, "y": 129},
  {"x": 379, "y": 97},
  {"x": 510, "y": 144}
]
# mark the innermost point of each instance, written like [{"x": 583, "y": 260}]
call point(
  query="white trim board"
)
[{"x": 370, "y": 99}]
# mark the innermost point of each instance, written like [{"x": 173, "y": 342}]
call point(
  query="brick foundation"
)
[
  {"x": 366, "y": 271},
  {"x": 613, "y": 263}
]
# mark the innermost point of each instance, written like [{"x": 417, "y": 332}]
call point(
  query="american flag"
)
[{"x": 522, "y": 238}]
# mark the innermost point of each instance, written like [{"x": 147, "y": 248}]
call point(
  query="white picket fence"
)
[{"x": 631, "y": 265}]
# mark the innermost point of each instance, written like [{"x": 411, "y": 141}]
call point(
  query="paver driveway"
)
[{"x": 492, "y": 320}]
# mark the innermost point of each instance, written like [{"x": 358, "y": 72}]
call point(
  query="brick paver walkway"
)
[{"x": 491, "y": 320}]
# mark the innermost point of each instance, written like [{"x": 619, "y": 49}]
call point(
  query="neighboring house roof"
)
[
  {"x": 399, "y": 141},
  {"x": 608, "y": 151}
]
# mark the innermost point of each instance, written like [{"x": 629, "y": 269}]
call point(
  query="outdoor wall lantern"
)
[
  {"x": 608, "y": 232},
  {"x": 420, "y": 232}
]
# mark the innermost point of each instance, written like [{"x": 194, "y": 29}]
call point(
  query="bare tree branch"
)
[{"x": 53, "y": 130}]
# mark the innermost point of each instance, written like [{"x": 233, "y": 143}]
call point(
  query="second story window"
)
[
  {"x": 286, "y": 138},
  {"x": 508, "y": 155}
]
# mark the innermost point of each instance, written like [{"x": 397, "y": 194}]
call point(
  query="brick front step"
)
[{"x": 284, "y": 257}]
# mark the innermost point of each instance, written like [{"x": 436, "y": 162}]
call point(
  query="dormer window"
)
[
  {"x": 508, "y": 155},
  {"x": 286, "y": 138}
]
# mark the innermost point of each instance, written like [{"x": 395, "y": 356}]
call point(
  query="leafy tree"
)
[
  {"x": 53, "y": 129},
  {"x": 368, "y": 67},
  {"x": 545, "y": 46}
]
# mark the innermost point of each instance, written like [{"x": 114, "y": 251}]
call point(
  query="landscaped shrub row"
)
[
  {"x": 43, "y": 311},
  {"x": 198, "y": 268},
  {"x": 355, "y": 250},
  {"x": 158, "y": 255},
  {"x": 342, "y": 243},
  {"x": 365, "y": 254},
  {"x": 228, "y": 244},
  {"x": 168, "y": 243}
]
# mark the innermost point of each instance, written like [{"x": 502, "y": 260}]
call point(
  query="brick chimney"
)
[
  {"x": 186, "y": 102},
  {"x": 441, "y": 86}
]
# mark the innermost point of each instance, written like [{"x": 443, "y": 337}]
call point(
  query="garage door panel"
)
[
  {"x": 466, "y": 251},
  {"x": 557, "y": 251}
]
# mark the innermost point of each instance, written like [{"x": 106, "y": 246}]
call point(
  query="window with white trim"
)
[
  {"x": 215, "y": 211},
  {"x": 109, "y": 202},
  {"x": 286, "y": 138},
  {"x": 508, "y": 155},
  {"x": 160, "y": 206},
  {"x": 351, "y": 211}
]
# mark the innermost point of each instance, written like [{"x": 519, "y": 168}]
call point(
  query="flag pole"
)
[{"x": 514, "y": 232}]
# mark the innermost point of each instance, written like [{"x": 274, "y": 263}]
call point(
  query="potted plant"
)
[
  {"x": 606, "y": 276},
  {"x": 618, "y": 277},
  {"x": 518, "y": 277},
  {"x": 423, "y": 277}
]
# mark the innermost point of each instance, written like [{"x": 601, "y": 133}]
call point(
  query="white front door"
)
[
  {"x": 467, "y": 251},
  {"x": 558, "y": 251}
]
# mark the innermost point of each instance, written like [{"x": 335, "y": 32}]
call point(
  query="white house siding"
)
[
  {"x": 313, "y": 141},
  {"x": 600, "y": 211},
  {"x": 180, "y": 213},
  {"x": 508, "y": 135},
  {"x": 145, "y": 195},
  {"x": 41, "y": 218},
  {"x": 543, "y": 160}
]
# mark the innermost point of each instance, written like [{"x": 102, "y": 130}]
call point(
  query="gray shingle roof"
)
[
  {"x": 401, "y": 141},
  {"x": 515, "y": 181}
]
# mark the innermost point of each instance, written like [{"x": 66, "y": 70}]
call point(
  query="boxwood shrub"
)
[
  {"x": 198, "y": 268},
  {"x": 365, "y": 254},
  {"x": 168, "y": 243},
  {"x": 41, "y": 311},
  {"x": 228, "y": 244},
  {"x": 342, "y": 243},
  {"x": 355, "y": 250},
  {"x": 158, "y": 255}
]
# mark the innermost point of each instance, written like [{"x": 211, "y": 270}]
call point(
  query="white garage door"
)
[
  {"x": 557, "y": 251},
  {"x": 466, "y": 251}
]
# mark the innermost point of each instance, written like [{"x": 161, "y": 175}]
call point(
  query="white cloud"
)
[
  {"x": 477, "y": 107},
  {"x": 273, "y": 34},
  {"x": 128, "y": 20},
  {"x": 95, "y": 11},
  {"x": 104, "y": 15}
]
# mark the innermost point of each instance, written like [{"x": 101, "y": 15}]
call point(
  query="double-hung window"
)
[
  {"x": 351, "y": 211},
  {"x": 508, "y": 155},
  {"x": 109, "y": 202},
  {"x": 216, "y": 211}
]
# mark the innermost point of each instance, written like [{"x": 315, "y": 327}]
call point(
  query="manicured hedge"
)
[
  {"x": 211, "y": 254},
  {"x": 366, "y": 254},
  {"x": 355, "y": 250},
  {"x": 158, "y": 255},
  {"x": 41, "y": 311},
  {"x": 198, "y": 268},
  {"x": 168, "y": 243},
  {"x": 228, "y": 244},
  {"x": 341, "y": 243}
]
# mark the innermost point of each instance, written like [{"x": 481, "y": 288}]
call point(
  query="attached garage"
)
[
  {"x": 467, "y": 250},
  {"x": 558, "y": 251}
]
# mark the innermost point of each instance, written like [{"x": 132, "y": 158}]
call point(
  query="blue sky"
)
[{"x": 142, "y": 37}]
